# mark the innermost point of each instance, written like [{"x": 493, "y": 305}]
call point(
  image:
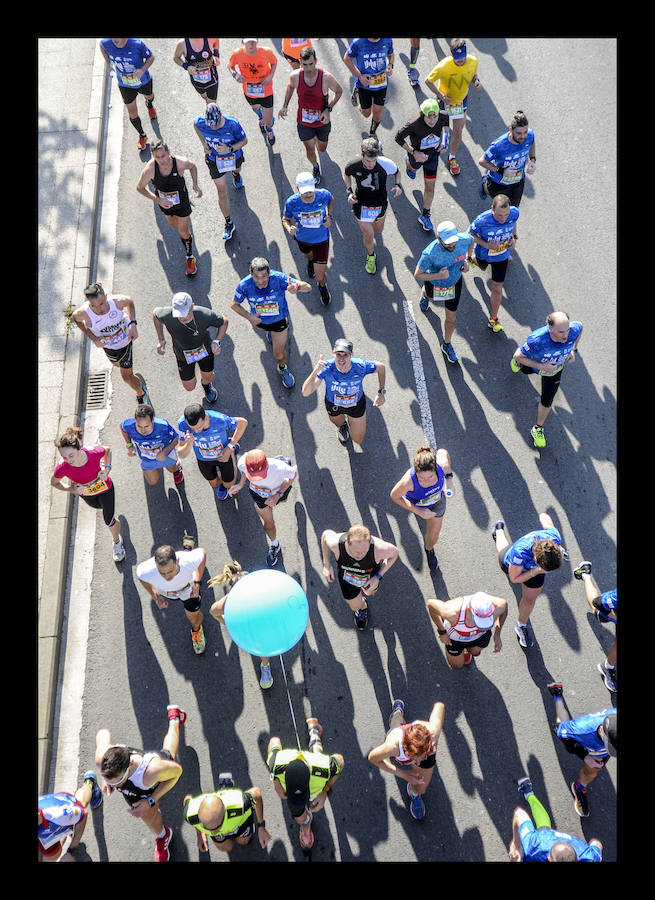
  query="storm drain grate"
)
[{"x": 96, "y": 395}]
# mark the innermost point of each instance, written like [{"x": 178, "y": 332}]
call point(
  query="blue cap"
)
[{"x": 460, "y": 53}]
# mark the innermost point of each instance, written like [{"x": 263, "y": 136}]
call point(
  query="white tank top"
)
[
  {"x": 113, "y": 326},
  {"x": 460, "y": 631},
  {"x": 137, "y": 776}
]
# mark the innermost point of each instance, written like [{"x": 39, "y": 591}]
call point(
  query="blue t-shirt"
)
[
  {"x": 608, "y": 603},
  {"x": 269, "y": 303},
  {"x": 309, "y": 217},
  {"x": 345, "y": 389},
  {"x": 149, "y": 445},
  {"x": 502, "y": 152},
  {"x": 489, "y": 228},
  {"x": 434, "y": 258},
  {"x": 537, "y": 844},
  {"x": 126, "y": 60},
  {"x": 584, "y": 730},
  {"x": 208, "y": 444},
  {"x": 520, "y": 553},
  {"x": 230, "y": 132},
  {"x": 371, "y": 59},
  {"x": 540, "y": 347}
]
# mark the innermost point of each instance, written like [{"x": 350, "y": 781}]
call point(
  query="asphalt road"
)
[{"x": 497, "y": 712}]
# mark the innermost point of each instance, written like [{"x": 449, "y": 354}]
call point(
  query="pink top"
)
[{"x": 86, "y": 474}]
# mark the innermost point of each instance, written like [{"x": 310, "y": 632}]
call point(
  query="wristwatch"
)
[
  {"x": 448, "y": 475},
  {"x": 382, "y": 390},
  {"x": 440, "y": 631},
  {"x": 151, "y": 802}
]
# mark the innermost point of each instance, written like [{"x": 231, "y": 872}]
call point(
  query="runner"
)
[
  {"x": 423, "y": 491},
  {"x": 188, "y": 326},
  {"x": 292, "y": 48},
  {"x": 130, "y": 59},
  {"x": 87, "y": 470},
  {"x": 166, "y": 172},
  {"x": 539, "y": 842},
  {"x": 605, "y": 607},
  {"x": 345, "y": 400},
  {"x": 464, "y": 625},
  {"x": 369, "y": 199},
  {"x": 412, "y": 71},
  {"x": 526, "y": 562},
  {"x": 143, "y": 777},
  {"x": 547, "y": 351},
  {"x": 450, "y": 81},
  {"x": 231, "y": 573},
  {"x": 154, "y": 441},
  {"x": 413, "y": 749},
  {"x": 228, "y": 816},
  {"x": 265, "y": 291},
  {"x": 507, "y": 159},
  {"x": 270, "y": 478},
  {"x": 440, "y": 268},
  {"x": 313, "y": 121},
  {"x": 303, "y": 778},
  {"x": 222, "y": 139},
  {"x": 177, "y": 575},
  {"x": 370, "y": 60},
  {"x": 495, "y": 236},
  {"x": 423, "y": 139},
  {"x": 307, "y": 216},
  {"x": 362, "y": 561},
  {"x": 109, "y": 321},
  {"x": 254, "y": 67},
  {"x": 62, "y": 819},
  {"x": 207, "y": 432},
  {"x": 592, "y": 738},
  {"x": 200, "y": 57}
]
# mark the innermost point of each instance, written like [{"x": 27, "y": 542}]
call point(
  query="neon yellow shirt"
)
[{"x": 454, "y": 79}]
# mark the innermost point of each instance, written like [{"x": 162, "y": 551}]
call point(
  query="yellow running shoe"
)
[{"x": 538, "y": 436}]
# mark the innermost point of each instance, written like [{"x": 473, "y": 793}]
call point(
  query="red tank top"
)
[{"x": 311, "y": 101}]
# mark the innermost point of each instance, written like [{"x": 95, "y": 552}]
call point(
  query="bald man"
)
[
  {"x": 546, "y": 351},
  {"x": 227, "y": 816}
]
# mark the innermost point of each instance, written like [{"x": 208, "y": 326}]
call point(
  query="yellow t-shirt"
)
[{"x": 454, "y": 79}]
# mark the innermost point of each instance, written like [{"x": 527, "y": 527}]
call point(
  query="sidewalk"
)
[{"x": 71, "y": 107}]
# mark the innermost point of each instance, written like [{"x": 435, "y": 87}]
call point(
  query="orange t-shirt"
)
[
  {"x": 254, "y": 68},
  {"x": 293, "y": 46}
]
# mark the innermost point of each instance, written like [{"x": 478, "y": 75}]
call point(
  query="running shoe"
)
[
  {"x": 581, "y": 802},
  {"x": 538, "y": 436},
  {"x": 354, "y": 97},
  {"x": 152, "y": 112},
  {"x": 228, "y": 231},
  {"x": 481, "y": 189},
  {"x": 118, "y": 550},
  {"x": 198, "y": 641},
  {"x": 161, "y": 846},
  {"x": 344, "y": 433},
  {"x": 426, "y": 222},
  {"x": 467, "y": 657},
  {"x": 410, "y": 172},
  {"x": 494, "y": 324},
  {"x": 424, "y": 302},
  {"x": 191, "y": 267},
  {"x": 584, "y": 568},
  {"x": 188, "y": 542},
  {"x": 398, "y": 706},
  {"x": 96, "y": 792},
  {"x": 142, "y": 143},
  {"x": 555, "y": 689},
  {"x": 259, "y": 114},
  {"x": 609, "y": 676},
  {"x": 287, "y": 378},
  {"x": 178, "y": 476},
  {"x": 361, "y": 618},
  {"x": 310, "y": 268},
  {"x": 416, "y": 807},
  {"x": 176, "y": 712},
  {"x": 453, "y": 165},
  {"x": 514, "y": 366},
  {"x": 449, "y": 352},
  {"x": 316, "y": 172},
  {"x": 433, "y": 562},
  {"x": 145, "y": 396},
  {"x": 237, "y": 180},
  {"x": 269, "y": 337},
  {"x": 524, "y": 786},
  {"x": 266, "y": 679},
  {"x": 270, "y": 137},
  {"x": 371, "y": 264},
  {"x": 324, "y": 294},
  {"x": 523, "y": 635},
  {"x": 211, "y": 394},
  {"x": 225, "y": 780},
  {"x": 272, "y": 555},
  {"x": 412, "y": 74},
  {"x": 221, "y": 491},
  {"x": 497, "y": 525}
]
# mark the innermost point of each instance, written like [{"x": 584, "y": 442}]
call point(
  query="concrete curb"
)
[{"x": 52, "y": 600}]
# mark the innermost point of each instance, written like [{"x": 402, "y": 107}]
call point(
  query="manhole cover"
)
[{"x": 96, "y": 394}]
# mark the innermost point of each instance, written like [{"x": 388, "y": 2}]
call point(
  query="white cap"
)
[
  {"x": 181, "y": 304},
  {"x": 482, "y": 609},
  {"x": 447, "y": 232},
  {"x": 305, "y": 182},
  {"x": 245, "y": 40}
]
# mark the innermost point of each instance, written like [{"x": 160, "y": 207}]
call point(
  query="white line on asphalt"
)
[{"x": 419, "y": 375}]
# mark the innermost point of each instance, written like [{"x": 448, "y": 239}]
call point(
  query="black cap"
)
[{"x": 296, "y": 778}]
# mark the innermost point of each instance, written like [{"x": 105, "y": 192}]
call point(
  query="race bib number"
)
[
  {"x": 119, "y": 335},
  {"x": 297, "y": 42},
  {"x": 254, "y": 90},
  {"x": 194, "y": 356},
  {"x": 309, "y": 116},
  {"x": 311, "y": 220},
  {"x": 369, "y": 213},
  {"x": 96, "y": 487},
  {"x": 173, "y": 196},
  {"x": 445, "y": 293},
  {"x": 379, "y": 80},
  {"x": 512, "y": 176},
  {"x": 430, "y": 141},
  {"x": 345, "y": 399},
  {"x": 550, "y": 374},
  {"x": 264, "y": 492},
  {"x": 269, "y": 308},
  {"x": 130, "y": 79},
  {"x": 455, "y": 109},
  {"x": 210, "y": 451},
  {"x": 359, "y": 579},
  {"x": 428, "y": 501},
  {"x": 203, "y": 76},
  {"x": 226, "y": 163},
  {"x": 501, "y": 248}
]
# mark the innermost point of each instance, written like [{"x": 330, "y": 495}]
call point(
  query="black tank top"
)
[
  {"x": 355, "y": 572},
  {"x": 200, "y": 57},
  {"x": 171, "y": 183}
]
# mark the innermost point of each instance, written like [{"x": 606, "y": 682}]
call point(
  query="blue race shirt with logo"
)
[
  {"x": 371, "y": 59},
  {"x": 540, "y": 346},
  {"x": 489, "y": 228},
  {"x": 126, "y": 60},
  {"x": 434, "y": 258},
  {"x": 230, "y": 132},
  {"x": 309, "y": 217},
  {"x": 345, "y": 389},
  {"x": 537, "y": 845},
  {"x": 502, "y": 152},
  {"x": 208, "y": 444},
  {"x": 149, "y": 445},
  {"x": 520, "y": 553},
  {"x": 269, "y": 303},
  {"x": 584, "y": 730}
]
